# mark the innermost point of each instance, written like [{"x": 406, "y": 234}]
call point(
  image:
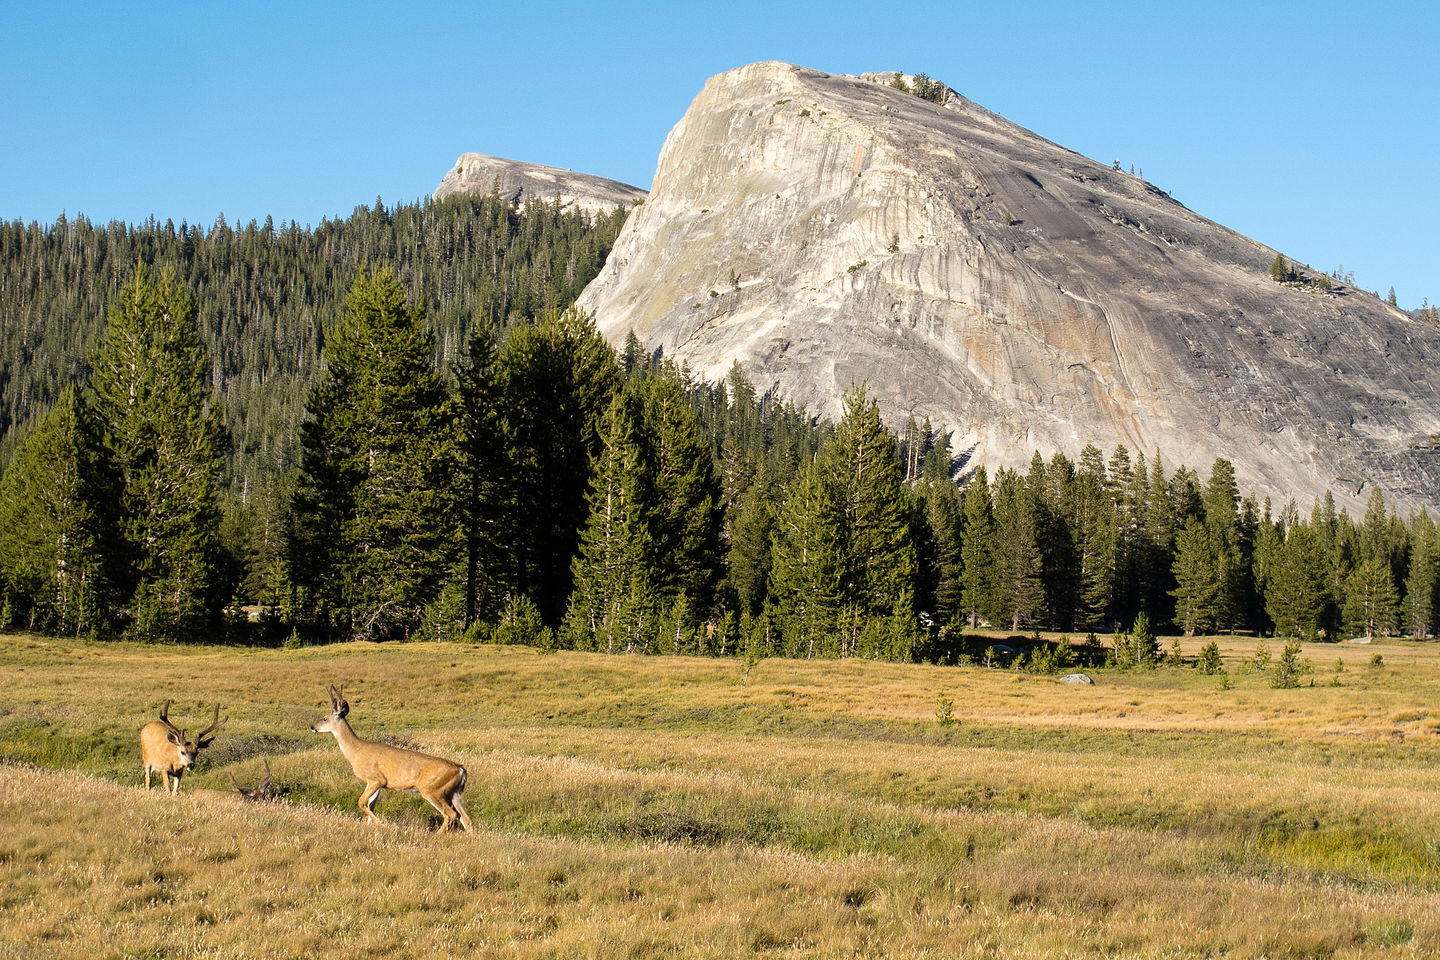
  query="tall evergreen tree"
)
[
  {"x": 557, "y": 380},
  {"x": 1370, "y": 599},
  {"x": 979, "y": 587},
  {"x": 1197, "y": 579},
  {"x": 485, "y": 494},
  {"x": 615, "y": 606},
  {"x": 943, "y": 508},
  {"x": 687, "y": 497},
  {"x": 159, "y": 418},
  {"x": 1296, "y": 593},
  {"x": 1422, "y": 586},
  {"x": 1018, "y": 560},
  {"x": 1222, "y": 522},
  {"x": 376, "y": 505},
  {"x": 851, "y": 523},
  {"x": 57, "y": 525},
  {"x": 1093, "y": 524},
  {"x": 806, "y": 593},
  {"x": 748, "y": 557}
]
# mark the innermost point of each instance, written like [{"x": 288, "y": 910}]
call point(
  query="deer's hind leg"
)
[{"x": 440, "y": 802}]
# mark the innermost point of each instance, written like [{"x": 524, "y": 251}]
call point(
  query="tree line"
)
[{"x": 541, "y": 487}]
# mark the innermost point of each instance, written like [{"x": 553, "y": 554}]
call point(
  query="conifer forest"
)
[{"x": 396, "y": 426}]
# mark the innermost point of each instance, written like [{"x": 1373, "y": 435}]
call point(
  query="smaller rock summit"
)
[{"x": 522, "y": 182}]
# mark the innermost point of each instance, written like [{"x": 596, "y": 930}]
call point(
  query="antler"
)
[
  {"x": 263, "y": 790},
  {"x": 216, "y": 721},
  {"x": 233, "y": 785},
  {"x": 165, "y": 719}
]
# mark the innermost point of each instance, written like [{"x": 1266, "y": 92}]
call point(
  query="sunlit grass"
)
[{"x": 662, "y": 807}]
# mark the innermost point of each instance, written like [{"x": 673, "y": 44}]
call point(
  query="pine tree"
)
[
  {"x": 1279, "y": 269},
  {"x": 979, "y": 589},
  {"x": 848, "y": 525},
  {"x": 57, "y": 525},
  {"x": 1019, "y": 563},
  {"x": 485, "y": 494},
  {"x": 943, "y": 507},
  {"x": 159, "y": 418},
  {"x": 1222, "y": 522},
  {"x": 1296, "y": 593},
  {"x": 805, "y": 569},
  {"x": 748, "y": 558},
  {"x": 1422, "y": 586},
  {"x": 557, "y": 380},
  {"x": 1197, "y": 580},
  {"x": 1093, "y": 523},
  {"x": 379, "y": 467},
  {"x": 687, "y": 497},
  {"x": 1370, "y": 601},
  {"x": 615, "y": 606}
]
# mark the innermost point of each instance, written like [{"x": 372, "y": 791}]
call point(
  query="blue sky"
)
[{"x": 1312, "y": 129}]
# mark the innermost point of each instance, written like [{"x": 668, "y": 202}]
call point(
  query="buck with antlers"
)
[
  {"x": 381, "y": 766},
  {"x": 165, "y": 749},
  {"x": 236, "y": 792}
]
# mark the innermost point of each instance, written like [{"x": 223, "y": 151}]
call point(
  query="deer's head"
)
[
  {"x": 338, "y": 711},
  {"x": 185, "y": 747}
]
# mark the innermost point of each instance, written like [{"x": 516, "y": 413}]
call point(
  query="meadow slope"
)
[{"x": 659, "y": 807}]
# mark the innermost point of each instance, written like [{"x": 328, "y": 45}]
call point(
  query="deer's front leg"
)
[{"x": 367, "y": 801}]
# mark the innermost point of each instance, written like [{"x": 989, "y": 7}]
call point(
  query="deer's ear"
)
[
  {"x": 344, "y": 708},
  {"x": 174, "y": 738},
  {"x": 201, "y": 744}
]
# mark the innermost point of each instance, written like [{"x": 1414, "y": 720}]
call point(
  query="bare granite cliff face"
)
[
  {"x": 826, "y": 230},
  {"x": 522, "y": 182}
]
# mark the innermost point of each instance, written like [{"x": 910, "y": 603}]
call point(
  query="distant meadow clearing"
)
[{"x": 680, "y": 807}]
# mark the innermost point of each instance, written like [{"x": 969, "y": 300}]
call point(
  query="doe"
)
[{"x": 439, "y": 781}]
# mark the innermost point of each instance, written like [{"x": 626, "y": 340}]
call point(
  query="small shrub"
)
[
  {"x": 944, "y": 710},
  {"x": 856, "y": 266},
  {"x": 1261, "y": 661},
  {"x": 1147, "y": 648},
  {"x": 1210, "y": 663},
  {"x": 1287, "y": 668},
  {"x": 1376, "y": 660},
  {"x": 292, "y": 642}
]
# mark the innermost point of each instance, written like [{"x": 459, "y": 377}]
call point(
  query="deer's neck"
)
[{"x": 350, "y": 744}]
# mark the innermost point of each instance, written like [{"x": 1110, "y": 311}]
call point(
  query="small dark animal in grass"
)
[
  {"x": 236, "y": 792},
  {"x": 165, "y": 750},
  {"x": 439, "y": 781}
]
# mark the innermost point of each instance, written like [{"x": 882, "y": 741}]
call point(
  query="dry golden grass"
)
[{"x": 659, "y": 807}]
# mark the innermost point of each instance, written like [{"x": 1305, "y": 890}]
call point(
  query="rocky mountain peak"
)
[
  {"x": 826, "y": 230},
  {"x": 520, "y": 182}
]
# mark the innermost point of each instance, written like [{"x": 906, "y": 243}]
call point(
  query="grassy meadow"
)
[{"x": 676, "y": 807}]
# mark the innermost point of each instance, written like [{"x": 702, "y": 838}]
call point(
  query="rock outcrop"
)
[
  {"x": 522, "y": 182},
  {"x": 826, "y": 230}
]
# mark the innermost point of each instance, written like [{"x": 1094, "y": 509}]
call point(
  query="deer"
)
[
  {"x": 258, "y": 794},
  {"x": 439, "y": 781},
  {"x": 164, "y": 748}
]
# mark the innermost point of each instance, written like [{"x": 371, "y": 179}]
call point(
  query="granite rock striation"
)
[
  {"x": 520, "y": 182},
  {"x": 826, "y": 230}
]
